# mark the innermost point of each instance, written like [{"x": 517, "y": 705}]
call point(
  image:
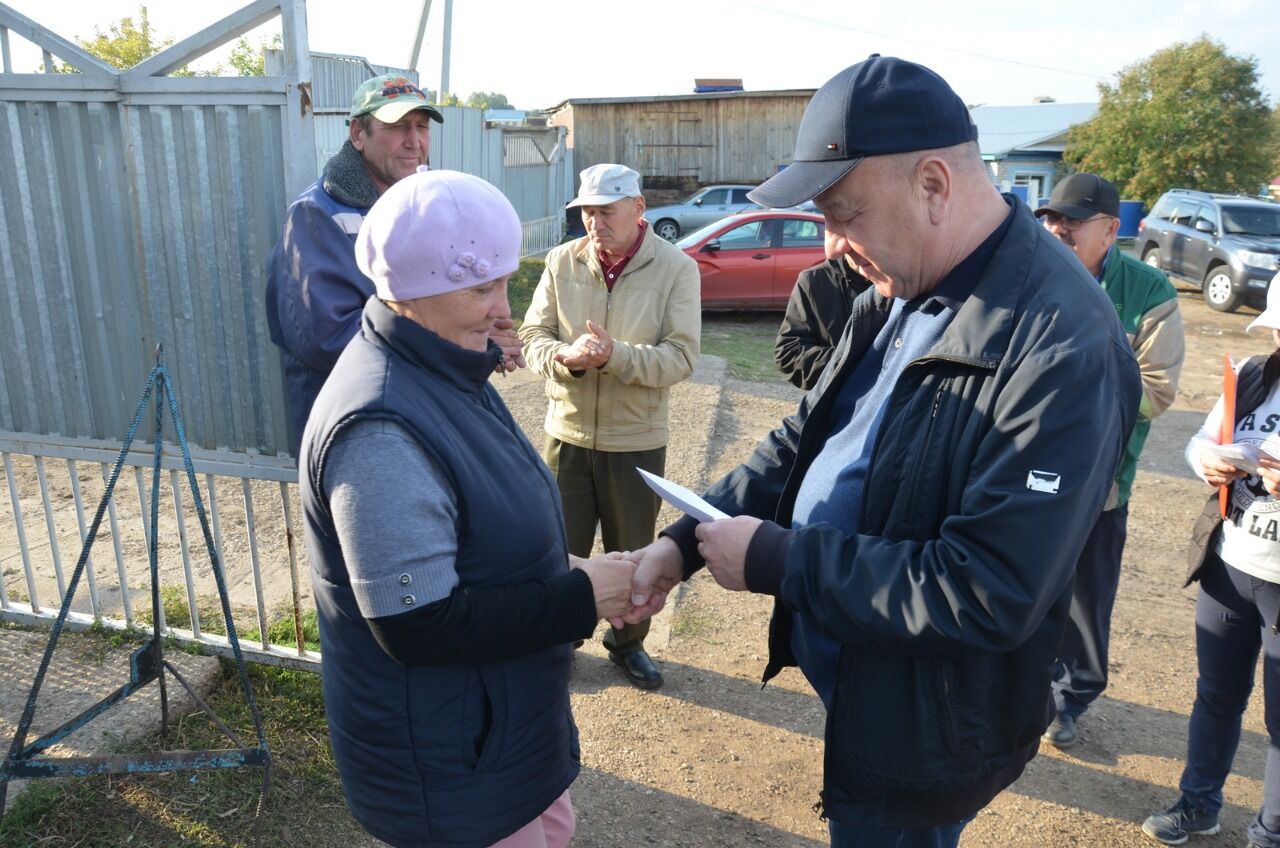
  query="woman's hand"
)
[
  {"x": 1218, "y": 473},
  {"x": 611, "y": 576},
  {"x": 1269, "y": 471}
]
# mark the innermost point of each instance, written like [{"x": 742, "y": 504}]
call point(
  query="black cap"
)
[
  {"x": 879, "y": 106},
  {"x": 1083, "y": 196}
]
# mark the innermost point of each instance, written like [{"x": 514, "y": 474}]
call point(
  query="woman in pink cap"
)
[{"x": 447, "y": 601}]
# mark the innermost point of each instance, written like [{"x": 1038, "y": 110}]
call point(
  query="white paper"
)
[
  {"x": 681, "y": 498},
  {"x": 1242, "y": 455}
]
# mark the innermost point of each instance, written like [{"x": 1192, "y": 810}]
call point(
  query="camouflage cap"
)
[{"x": 389, "y": 98}]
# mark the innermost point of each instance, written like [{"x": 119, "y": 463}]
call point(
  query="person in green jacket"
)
[{"x": 1084, "y": 213}]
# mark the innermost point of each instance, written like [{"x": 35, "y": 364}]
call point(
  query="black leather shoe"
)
[
  {"x": 1062, "y": 732},
  {"x": 638, "y": 668}
]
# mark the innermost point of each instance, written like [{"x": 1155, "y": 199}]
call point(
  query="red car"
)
[{"x": 751, "y": 260}]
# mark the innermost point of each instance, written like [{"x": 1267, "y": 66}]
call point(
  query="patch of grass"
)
[
  {"x": 745, "y": 341},
  {"x": 281, "y": 630},
  {"x": 173, "y": 601},
  {"x": 206, "y": 808},
  {"x": 521, "y": 286}
]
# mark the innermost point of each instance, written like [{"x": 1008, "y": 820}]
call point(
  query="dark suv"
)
[{"x": 1229, "y": 242}]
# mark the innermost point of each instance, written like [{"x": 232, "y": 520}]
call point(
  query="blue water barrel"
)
[{"x": 1130, "y": 215}]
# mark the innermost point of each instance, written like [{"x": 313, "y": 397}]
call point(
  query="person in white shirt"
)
[{"x": 1236, "y": 558}]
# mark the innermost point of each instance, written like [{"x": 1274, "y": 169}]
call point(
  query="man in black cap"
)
[
  {"x": 1084, "y": 213},
  {"x": 918, "y": 518}
]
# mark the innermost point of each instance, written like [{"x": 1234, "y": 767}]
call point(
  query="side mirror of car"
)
[
  {"x": 1204, "y": 226},
  {"x": 698, "y": 202},
  {"x": 711, "y": 246}
]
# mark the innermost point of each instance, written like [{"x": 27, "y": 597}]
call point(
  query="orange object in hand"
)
[{"x": 1227, "y": 430}]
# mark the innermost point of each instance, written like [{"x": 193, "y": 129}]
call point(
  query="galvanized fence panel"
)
[{"x": 53, "y": 486}]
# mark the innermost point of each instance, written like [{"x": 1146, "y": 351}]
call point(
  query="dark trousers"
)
[
  {"x": 598, "y": 487},
  {"x": 856, "y": 836},
  {"x": 1234, "y": 618},
  {"x": 1081, "y": 672}
]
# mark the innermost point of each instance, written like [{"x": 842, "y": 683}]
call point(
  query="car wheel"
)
[
  {"x": 667, "y": 229},
  {"x": 1218, "y": 291},
  {"x": 1152, "y": 257}
]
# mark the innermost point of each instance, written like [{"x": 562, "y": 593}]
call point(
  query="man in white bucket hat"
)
[{"x": 614, "y": 323}]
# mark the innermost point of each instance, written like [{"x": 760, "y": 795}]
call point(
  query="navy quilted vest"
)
[{"x": 452, "y": 755}]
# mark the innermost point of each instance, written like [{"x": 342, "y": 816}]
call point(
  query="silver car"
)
[{"x": 703, "y": 207}]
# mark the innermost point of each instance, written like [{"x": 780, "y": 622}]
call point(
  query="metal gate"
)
[{"x": 138, "y": 209}]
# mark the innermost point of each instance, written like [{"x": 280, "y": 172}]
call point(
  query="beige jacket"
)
[{"x": 653, "y": 314}]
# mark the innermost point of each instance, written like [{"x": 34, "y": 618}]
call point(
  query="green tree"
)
[
  {"x": 125, "y": 44},
  {"x": 1275, "y": 143},
  {"x": 488, "y": 100},
  {"x": 250, "y": 61},
  {"x": 1190, "y": 115},
  {"x": 449, "y": 99}
]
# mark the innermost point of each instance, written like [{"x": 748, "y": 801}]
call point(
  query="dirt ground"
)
[{"x": 714, "y": 760}]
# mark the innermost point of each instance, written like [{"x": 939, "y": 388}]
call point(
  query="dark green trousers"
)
[{"x": 603, "y": 488}]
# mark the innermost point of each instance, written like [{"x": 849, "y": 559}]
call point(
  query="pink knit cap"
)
[{"x": 435, "y": 232}]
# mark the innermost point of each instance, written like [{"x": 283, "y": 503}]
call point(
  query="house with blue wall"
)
[{"x": 1022, "y": 145}]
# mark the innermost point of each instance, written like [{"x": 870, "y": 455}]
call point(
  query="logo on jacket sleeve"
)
[{"x": 1043, "y": 481}]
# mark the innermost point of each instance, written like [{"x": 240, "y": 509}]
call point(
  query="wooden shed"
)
[{"x": 684, "y": 141}]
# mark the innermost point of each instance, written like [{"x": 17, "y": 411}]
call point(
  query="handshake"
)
[{"x": 631, "y": 586}]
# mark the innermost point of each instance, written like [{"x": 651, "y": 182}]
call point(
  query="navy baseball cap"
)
[
  {"x": 1083, "y": 196},
  {"x": 878, "y": 106}
]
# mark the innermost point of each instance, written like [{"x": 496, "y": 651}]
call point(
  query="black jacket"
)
[
  {"x": 818, "y": 309},
  {"x": 993, "y": 460}
]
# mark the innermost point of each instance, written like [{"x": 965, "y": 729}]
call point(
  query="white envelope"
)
[
  {"x": 681, "y": 498},
  {"x": 1242, "y": 455}
]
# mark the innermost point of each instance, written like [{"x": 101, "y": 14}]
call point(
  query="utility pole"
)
[
  {"x": 446, "y": 42},
  {"x": 422, "y": 30}
]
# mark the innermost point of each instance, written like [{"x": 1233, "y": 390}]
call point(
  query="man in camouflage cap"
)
[{"x": 315, "y": 292}]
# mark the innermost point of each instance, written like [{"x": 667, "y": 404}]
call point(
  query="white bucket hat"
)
[
  {"x": 1270, "y": 317},
  {"x": 605, "y": 184}
]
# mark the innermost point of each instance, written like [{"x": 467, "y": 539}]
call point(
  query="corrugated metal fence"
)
[{"x": 137, "y": 209}]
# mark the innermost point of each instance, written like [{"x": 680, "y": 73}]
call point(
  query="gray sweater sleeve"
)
[{"x": 395, "y": 516}]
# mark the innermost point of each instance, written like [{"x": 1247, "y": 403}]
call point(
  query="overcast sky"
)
[{"x": 539, "y": 54}]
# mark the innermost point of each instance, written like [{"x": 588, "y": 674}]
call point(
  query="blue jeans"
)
[
  {"x": 860, "y": 836},
  {"x": 1234, "y": 618},
  {"x": 1081, "y": 671}
]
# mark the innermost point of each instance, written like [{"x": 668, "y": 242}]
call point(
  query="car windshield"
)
[
  {"x": 1251, "y": 220},
  {"x": 698, "y": 235}
]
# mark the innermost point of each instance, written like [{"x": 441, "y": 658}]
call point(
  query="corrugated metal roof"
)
[
  {"x": 1003, "y": 129},
  {"x": 664, "y": 98}
]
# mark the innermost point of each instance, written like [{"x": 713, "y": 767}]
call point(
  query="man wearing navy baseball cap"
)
[{"x": 919, "y": 517}]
